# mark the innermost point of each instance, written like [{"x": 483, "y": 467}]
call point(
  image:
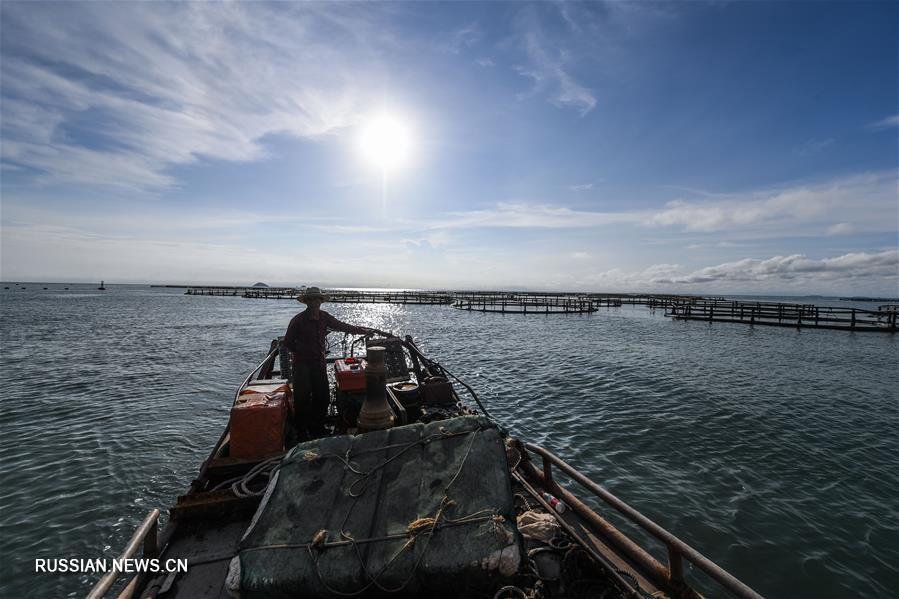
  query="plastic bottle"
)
[{"x": 554, "y": 502}]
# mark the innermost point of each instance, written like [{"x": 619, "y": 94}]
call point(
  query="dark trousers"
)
[{"x": 311, "y": 396}]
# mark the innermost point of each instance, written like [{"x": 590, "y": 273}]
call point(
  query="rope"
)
[
  {"x": 636, "y": 584},
  {"x": 364, "y": 475},
  {"x": 324, "y": 544},
  {"x": 240, "y": 484}
]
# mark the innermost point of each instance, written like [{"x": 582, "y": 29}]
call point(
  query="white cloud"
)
[
  {"x": 715, "y": 245},
  {"x": 619, "y": 279},
  {"x": 857, "y": 272},
  {"x": 547, "y": 67},
  {"x": 434, "y": 259},
  {"x": 466, "y": 37},
  {"x": 883, "y": 266},
  {"x": 860, "y": 204},
  {"x": 841, "y": 229},
  {"x": 867, "y": 202},
  {"x": 581, "y": 187},
  {"x": 60, "y": 253},
  {"x": 889, "y": 122},
  {"x": 524, "y": 215},
  {"x": 165, "y": 84},
  {"x": 66, "y": 253}
]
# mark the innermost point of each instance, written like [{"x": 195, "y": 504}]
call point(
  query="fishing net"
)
[{"x": 414, "y": 509}]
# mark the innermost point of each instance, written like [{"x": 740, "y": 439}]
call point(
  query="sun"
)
[{"x": 385, "y": 142}]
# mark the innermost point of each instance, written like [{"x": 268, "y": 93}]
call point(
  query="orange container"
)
[
  {"x": 258, "y": 421},
  {"x": 350, "y": 374}
]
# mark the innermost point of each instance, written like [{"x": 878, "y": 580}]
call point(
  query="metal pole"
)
[
  {"x": 146, "y": 528},
  {"x": 715, "y": 571}
]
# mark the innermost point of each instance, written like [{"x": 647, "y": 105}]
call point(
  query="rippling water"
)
[{"x": 773, "y": 451}]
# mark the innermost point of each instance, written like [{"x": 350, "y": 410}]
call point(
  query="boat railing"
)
[
  {"x": 678, "y": 550},
  {"x": 146, "y": 535}
]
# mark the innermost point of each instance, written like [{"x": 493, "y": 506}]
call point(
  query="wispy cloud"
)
[
  {"x": 813, "y": 146},
  {"x": 859, "y": 204},
  {"x": 20, "y": 213},
  {"x": 173, "y": 83},
  {"x": 525, "y": 215},
  {"x": 715, "y": 245},
  {"x": 889, "y": 122},
  {"x": 581, "y": 187},
  {"x": 841, "y": 229},
  {"x": 463, "y": 38},
  {"x": 567, "y": 12},
  {"x": 866, "y": 201},
  {"x": 546, "y": 67},
  {"x": 57, "y": 253}
]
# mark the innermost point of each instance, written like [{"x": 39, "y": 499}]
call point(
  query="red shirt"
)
[{"x": 305, "y": 336}]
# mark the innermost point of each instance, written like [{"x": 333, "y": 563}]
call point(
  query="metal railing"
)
[
  {"x": 146, "y": 535},
  {"x": 677, "y": 549}
]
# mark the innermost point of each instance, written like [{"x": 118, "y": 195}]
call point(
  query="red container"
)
[
  {"x": 258, "y": 422},
  {"x": 350, "y": 374}
]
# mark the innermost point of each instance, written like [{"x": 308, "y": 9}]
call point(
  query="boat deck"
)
[
  {"x": 208, "y": 523},
  {"x": 208, "y": 546}
]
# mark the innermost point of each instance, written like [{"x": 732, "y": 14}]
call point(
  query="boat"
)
[
  {"x": 413, "y": 490},
  {"x": 102, "y": 286}
]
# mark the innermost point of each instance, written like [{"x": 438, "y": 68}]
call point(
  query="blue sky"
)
[{"x": 720, "y": 147}]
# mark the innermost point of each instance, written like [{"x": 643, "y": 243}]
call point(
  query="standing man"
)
[{"x": 305, "y": 338}]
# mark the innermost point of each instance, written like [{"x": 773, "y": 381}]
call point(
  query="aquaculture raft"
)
[
  {"x": 348, "y": 296},
  {"x": 525, "y": 306},
  {"x": 788, "y": 315},
  {"x": 389, "y": 297}
]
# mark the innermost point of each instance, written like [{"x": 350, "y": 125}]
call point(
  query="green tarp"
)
[{"x": 423, "y": 508}]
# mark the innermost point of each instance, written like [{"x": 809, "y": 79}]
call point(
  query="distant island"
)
[{"x": 260, "y": 285}]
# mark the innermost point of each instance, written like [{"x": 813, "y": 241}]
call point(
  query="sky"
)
[{"x": 688, "y": 147}]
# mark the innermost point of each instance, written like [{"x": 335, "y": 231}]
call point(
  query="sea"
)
[{"x": 772, "y": 451}]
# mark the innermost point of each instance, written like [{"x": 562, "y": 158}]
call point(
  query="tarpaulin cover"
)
[{"x": 423, "y": 508}]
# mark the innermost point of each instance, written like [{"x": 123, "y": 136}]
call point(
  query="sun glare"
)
[{"x": 385, "y": 142}]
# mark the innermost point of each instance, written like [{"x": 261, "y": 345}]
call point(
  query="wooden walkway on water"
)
[
  {"x": 342, "y": 296},
  {"x": 220, "y": 290},
  {"x": 528, "y": 306},
  {"x": 788, "y": 315},
  {"x": 390, "y": 297}
]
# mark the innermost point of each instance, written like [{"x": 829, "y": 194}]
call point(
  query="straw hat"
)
[{"x": 312, "y": 293}]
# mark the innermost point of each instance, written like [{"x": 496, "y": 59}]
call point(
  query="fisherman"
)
[{"x": 305, "y": 338}]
